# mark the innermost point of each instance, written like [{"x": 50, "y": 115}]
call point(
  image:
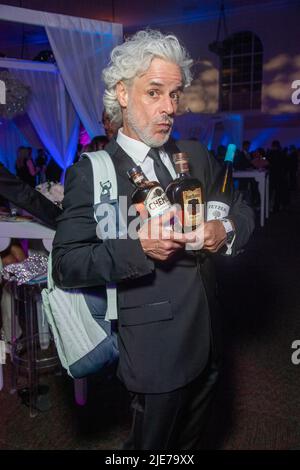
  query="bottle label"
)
[
  {"x": 156, "y": 201},
  {"x": 216, "y": 210},
  {"x": 192, "y": 208}
]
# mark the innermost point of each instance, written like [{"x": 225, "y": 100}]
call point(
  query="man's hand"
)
[
  {"x": 158, "y": 240},
  {"x": 210, "y": 236},
  {"x": 214, "y": 235}
]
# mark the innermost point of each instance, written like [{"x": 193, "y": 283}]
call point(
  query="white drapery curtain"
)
[
  {"x": 26, "y": 127},
  {"x": 52, "y": 113},
  {"x": 82, "y": 48}
]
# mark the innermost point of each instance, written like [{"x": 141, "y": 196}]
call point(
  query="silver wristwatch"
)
[{"x": 230, "y": 233}]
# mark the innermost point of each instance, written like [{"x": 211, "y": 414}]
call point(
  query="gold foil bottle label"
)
[{"x": 193, "y": 208}]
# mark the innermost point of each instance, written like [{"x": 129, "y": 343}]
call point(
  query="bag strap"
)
[
  {"x": 50, "y": 282},
  {"x": 105, "y": 185},
  {"x": 104, "y": 176}
]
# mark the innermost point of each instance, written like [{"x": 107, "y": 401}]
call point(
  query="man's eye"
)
[
  {"x": 175, "y": 96},
  {"x": 152, "y": 93}
]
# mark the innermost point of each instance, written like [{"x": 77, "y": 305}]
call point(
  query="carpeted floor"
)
[{"x": 258, "y": 400}]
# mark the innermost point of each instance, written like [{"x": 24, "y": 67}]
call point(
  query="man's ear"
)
[{"x": 122, "y": 94}]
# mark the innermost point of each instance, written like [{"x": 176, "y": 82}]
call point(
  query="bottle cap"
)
[
  {"x": 230, "y": 153},
  {"x": 135, "y": 169},
  {"x": 136, "y": 174}
]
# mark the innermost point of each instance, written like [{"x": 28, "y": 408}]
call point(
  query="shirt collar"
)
[{"x": 136, "y": 149}]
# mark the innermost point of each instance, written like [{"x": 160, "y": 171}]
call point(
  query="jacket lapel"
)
[{"x": 122, "y": 163}]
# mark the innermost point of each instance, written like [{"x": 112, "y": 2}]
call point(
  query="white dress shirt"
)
[{"x": 138, "y": 151}]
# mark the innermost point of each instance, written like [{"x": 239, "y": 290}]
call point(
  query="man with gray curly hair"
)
[
  {"x": 132, "y": 59},
  {"x": 167, "y": 306}
]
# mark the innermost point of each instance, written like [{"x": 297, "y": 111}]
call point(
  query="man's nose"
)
[{"x": 167, "y": 105}]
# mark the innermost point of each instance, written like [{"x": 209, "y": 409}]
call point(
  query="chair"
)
[{"x": 34, "y": 351}]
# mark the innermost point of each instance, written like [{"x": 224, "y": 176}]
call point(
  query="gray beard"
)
[{"x": 145, "y": 134}]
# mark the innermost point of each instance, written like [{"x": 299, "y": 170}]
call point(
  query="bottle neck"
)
[
  {"x": 182, "y": 168},
  {"x": 183, "y": 174},
  {"x": 139, "y": 180},
  {"x": 227, "y": 175}
]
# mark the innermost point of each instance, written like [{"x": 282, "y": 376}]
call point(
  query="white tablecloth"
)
[{"x": 26, "y": 229}]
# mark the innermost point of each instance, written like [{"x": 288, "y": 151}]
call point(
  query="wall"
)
[{"x": 277, "y": 28}]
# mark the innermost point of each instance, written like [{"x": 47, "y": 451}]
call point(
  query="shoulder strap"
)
[
  {"x": 104, "y": 175},
  {"x": 105, "y": 186},
  {"x": 50, "y": 282}
]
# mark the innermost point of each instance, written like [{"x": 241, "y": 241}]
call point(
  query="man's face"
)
[{"x": 150, "y": 102}]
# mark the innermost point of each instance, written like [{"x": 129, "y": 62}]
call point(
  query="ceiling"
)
[
  {"x": 137, "y": 12},
  {"x": 133, "y": 14}
]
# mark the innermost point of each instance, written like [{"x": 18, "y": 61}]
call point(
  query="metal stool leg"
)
[
  {"x": 1, "y": 377},
  {"x": 80, "y": 389},
  {"x": 31, "y": 351},
  {"x": 15, "y": 303}
]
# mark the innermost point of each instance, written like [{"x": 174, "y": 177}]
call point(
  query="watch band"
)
[{"x": 230, "y": 233}]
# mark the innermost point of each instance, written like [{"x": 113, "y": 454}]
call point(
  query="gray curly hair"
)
[{"x": 134, "y": 57}]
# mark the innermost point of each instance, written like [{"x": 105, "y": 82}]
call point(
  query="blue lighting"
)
[
  {"x": 10, "y": 139},
  {"x": 263, "y": 137},
  {"x": 36, "y": 38},
  {"x": 281, "y": 118},
  {"x": 225, "y": 140},
  {"x": 175, "y": 134},
  {"x": 64, "y": 161}
]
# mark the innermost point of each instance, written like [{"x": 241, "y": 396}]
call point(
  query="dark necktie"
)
[{"x": 161, "y": 171}]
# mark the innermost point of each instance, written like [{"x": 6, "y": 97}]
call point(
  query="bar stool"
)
[{"x": 34, "y": 351}]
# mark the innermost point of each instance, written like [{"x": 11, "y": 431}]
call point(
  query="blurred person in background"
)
[
  {"x": 243, "y": 159},
  {"x": 25, "y": 167},
  {"x": 221, "y": 152},
  {"x": 53, "y": 171},
  {"x": 292, "y": 167},
  {"x": 99, "y": 142},
  {"x": 278, "y": 177},
  {"x": 111, "y": 128},
  {"x": 41, "y": 165}
]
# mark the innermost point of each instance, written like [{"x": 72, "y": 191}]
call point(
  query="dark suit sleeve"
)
[
  {"x": 80, "y": 258},
  {"x": 207, "y": 167},
  {"x": 240, "y": 213},
  {"x": 24, "y": 196}
]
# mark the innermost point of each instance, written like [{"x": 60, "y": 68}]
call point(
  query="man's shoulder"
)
[
  {"x": 81, "y": 165},
  {"x": 192, "y": 147}
]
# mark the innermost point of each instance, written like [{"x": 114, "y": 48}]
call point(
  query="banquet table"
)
[
  {"x": 20, "y": 227},
  {"x": 262, "y": 178}
]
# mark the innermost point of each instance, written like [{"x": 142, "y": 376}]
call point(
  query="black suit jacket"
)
[
  {"x": 22, "y": 195},
  {"x": 165, "y": 322}
]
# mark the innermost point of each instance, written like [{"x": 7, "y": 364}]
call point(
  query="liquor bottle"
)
[
  {"x": 186, "y": 191},
  {"x": 148, "y": 197},
  {"x": 222, "y": 193}
]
